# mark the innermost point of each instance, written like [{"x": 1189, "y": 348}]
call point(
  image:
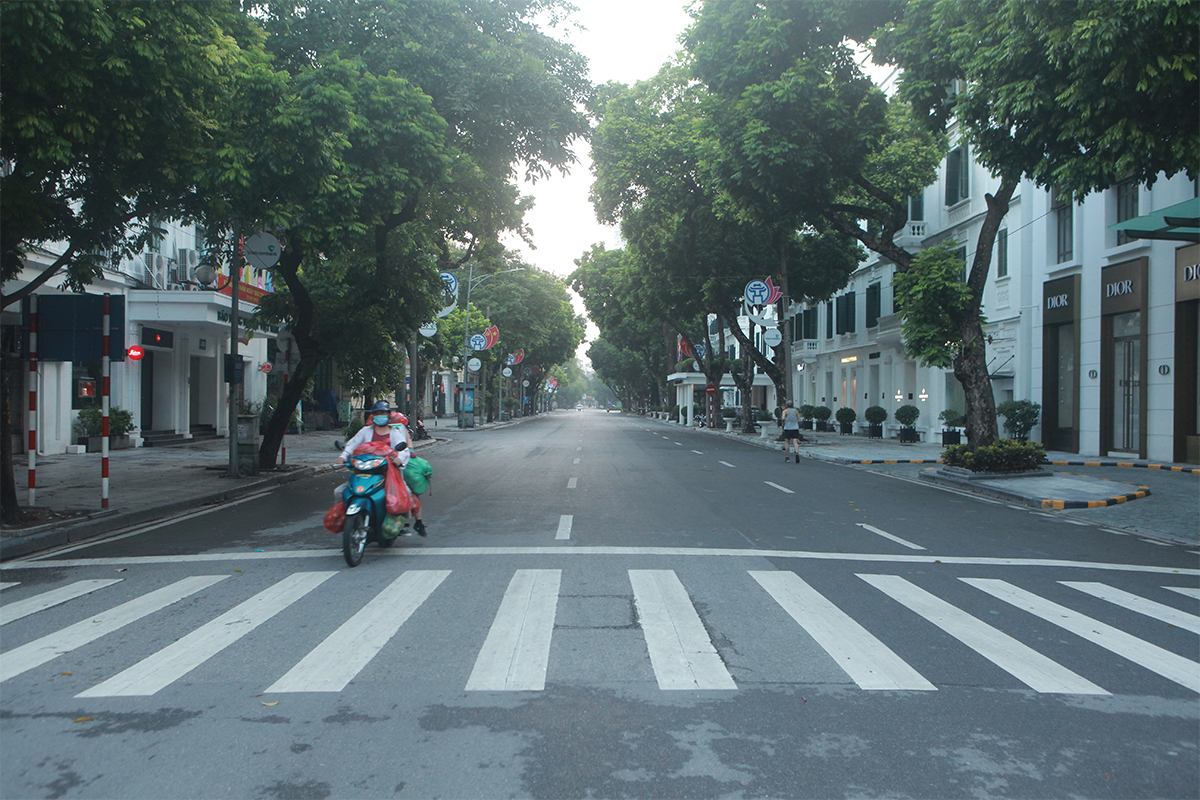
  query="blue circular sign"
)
[{"x": 479, "y": 342}]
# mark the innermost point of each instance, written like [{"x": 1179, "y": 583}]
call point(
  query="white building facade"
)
[{"x": 1098, "y": 328}]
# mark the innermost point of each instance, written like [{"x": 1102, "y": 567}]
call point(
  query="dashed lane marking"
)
[
  {"x": 564, "y": 526},
  {"x": 783, "y": 489},
  {"x": 572, "y": 482},
  {"x": 887, "y": 535},
  {"x": 726, "y": 463}
]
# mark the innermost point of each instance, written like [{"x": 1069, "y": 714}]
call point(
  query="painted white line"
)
[
  {"x": 780, "y": 488},
  {"x": 682, "y": 655},
  {"x": 53, "y": 645},
  {"x": 168, "y": 665},
  {"x": 517, "y": 649},
  {"x": 1186, "y": 591},
  {"x": 679, "y": 444},
  {"x": 868, "y": 661},
  {"x": 138, "y": 530},
  {"x": 1149, "y": 608},
  {"x": 52, "y": 598},
  {"x": 594, "y": 550},
  {"x": 1024, "y": 663},
  {"x": 697, "y": 452},
  {"x": 572, "y": 483},
  {"x": 726, "y": 463},
  {"x": 564, "y": 526},
  {"x": 576, "y": 461},
  {"x": 1163, "y": 662},
  {"x": 1153, "y": 541},
  {"x": 332, "y": 664},
  {"x": 7, "y": 584},
  {"x": 577, "y": 449},
  {"x": 666, "y": 437},
  {"x": 887, "y": 535}
]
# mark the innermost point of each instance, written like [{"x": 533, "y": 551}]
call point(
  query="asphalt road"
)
[{"x": 608, "y": 608}]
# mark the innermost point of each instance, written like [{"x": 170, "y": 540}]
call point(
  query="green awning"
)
[{"x": 1180, "y": 222}]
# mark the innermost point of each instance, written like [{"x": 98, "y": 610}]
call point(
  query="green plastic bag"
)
[
  {"x": 393, "y": 524},
  {"x": 417, "y": 474}
]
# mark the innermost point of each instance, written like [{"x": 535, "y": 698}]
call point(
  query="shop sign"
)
[
  {"x": 1060, "y": 300},
  {"x": 1187, "y": 273},
  {"x": 1122, "y": 287}
]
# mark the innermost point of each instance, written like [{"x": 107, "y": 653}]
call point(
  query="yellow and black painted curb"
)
[
  {"x": 1060, "y": 505},
  {"x": 898, "y": 461},
  {"x": 1164, "y": 467}
]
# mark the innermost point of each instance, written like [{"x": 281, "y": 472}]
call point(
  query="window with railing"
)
[
  {"x": 1127, "y": 207},
  {"x": 1064, "y": 228}
]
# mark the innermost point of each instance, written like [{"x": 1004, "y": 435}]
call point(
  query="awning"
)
[{"x": 1180, "y": 223}]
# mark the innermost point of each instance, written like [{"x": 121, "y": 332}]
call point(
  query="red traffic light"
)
[{"x": 135, "y": 352}]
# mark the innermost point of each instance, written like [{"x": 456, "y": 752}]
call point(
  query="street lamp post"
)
[{"x": 472, "y": 282}]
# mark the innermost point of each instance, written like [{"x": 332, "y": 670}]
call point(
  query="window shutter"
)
[{"x": 952, "y": 176}]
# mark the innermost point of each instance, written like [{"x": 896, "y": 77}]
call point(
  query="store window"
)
[
  {"x": 85, "y": 384},
  {"x": 1064, "y": 228},
  {"x": 1127, "y": 207},
  {"x": 1002, "y": 253},
  {"x": 958, "y": 176}
]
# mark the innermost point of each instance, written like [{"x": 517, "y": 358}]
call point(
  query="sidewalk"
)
[
  {"x": 1100, "y": 489},
  {"x": 148, "y": 483}
]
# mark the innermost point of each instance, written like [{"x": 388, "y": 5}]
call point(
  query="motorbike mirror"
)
[
  {"x": 401, "y": 446},
  {"x": 338, "y": 445}
]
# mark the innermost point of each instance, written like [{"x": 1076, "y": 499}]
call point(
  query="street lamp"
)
[{"x": 472, "y": 282}]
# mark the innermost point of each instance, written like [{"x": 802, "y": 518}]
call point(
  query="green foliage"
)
[
  {"x": 845, "y": 415},
  {"x": 728, "y": 413},
  {"x": 822, "y": 413},
  {"x": 1020, "y": 417},
  {"x": 1003, "y": 455},
  {"x": 805, "y": 411},
  {"x": 932, "y": 297},
  {"x": 762, "y": 415},
  {"x": 952, "y": 418},
  {"x": 907, "y": 415},
  {"x": 354, "y": 426},
  {"x": 875, "y": 415},
  {"x": 90, "y": 421}
]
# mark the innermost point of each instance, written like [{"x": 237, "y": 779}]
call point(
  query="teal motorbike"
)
[{"x": 365, "y": 497}]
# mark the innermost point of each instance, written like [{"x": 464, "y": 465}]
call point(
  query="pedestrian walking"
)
[{"x": 791, "y": 431}]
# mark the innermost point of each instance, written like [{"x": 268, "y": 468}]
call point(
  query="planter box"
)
[
  {"x": 875, "y": 431},
  {"x": 847, "y": 428},
  {"x": 824, "y": 427},
  {"x": 909, "y": 435},
  {"x": 114, "y": 443},
  {"x": 951, "y": 437},
  {"x": 806, "y": 424}
]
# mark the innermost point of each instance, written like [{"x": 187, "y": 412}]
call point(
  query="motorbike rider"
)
[
  {"x": 379, "y": 430},
  {"x": 400, "y": 422}
]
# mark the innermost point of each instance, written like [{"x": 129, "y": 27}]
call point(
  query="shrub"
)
[
  {"x": 875, "y": 415},
  {"x": 806, "y": 411},
  {"x": 907, "y": 415},
  {"x": 685, "y": 365},
  {"x": 822, "y": 413},
  {"x": 120, "y": 421},
  {"x": 354, "y": 427},
  {"x": 728, "y": 413},
  {"x": 845, "y": 415},
  {"x": 1019, "y": 417},
  {"x": 510, "y": 403},
  {"x": 762, "y": 415},
  {"x": 674, "y": 412},
  {"x": 1003, "y": 455},
  {"x": 952, "y": 419}
]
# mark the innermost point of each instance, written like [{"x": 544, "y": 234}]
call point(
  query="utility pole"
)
[{"x": 235, "y": 271}]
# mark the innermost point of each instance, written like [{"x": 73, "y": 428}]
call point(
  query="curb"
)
[
  {"x": 1061, "y": 505},
  {"x": 1163, "y": 467}
]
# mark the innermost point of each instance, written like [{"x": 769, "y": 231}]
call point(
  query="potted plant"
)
[
  {"x": 907, "y": 417},
  {"x": 806, "y": 417},
  {"x": 1020, "y": 416},
  {"x": 729, "y": 415},
  {"x": 87, "y": 428},
  {"x": 875, "y": 416},
  {"x": 951, "y": 421},
  {"x": 822, "y": 415},
  {"x": 510, "y": 405},
  {"x": 845, "y": 417}
]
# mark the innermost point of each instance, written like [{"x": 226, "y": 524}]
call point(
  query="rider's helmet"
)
[
  {"x": 396, "y": 418},
  {"x": 380, "y": 412}
]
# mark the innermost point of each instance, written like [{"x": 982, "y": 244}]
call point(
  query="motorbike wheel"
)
[
  {"x": 386, "y": 542},
  {"x": 354, "y": 538}
]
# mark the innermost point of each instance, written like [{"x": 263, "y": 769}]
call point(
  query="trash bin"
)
[{"x": 248, "y": 442}]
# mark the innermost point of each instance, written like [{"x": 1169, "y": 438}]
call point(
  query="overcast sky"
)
[{"x": 626, "y": 41}]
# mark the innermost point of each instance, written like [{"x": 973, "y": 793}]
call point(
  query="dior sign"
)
[
  {"x": 1118, "y": 288},
  {"x": 1058, "y": 301},
  {"x": 1191, "y": 273}
]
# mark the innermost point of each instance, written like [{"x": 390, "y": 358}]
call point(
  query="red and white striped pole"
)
[
  {"x": 104, "y": 383},
  {"x": 32, "y": 426}
]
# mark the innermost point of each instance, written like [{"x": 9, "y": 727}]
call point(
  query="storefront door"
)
[{"x": 1127, "y": 385}]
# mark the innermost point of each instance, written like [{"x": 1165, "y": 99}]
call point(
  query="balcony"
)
[{"x": 911, "y": 235}]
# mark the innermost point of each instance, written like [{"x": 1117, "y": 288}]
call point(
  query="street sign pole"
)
[{"x": 235, "y": 271}]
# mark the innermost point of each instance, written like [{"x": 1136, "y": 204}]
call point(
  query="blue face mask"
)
[{"x": 381, "y": 419}]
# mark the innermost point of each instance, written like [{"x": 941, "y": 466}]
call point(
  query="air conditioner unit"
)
[
  {"x": 155, "y": 274},
  {"x": 189, "y": 259}
]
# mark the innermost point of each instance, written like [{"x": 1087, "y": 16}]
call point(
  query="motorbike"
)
[
  {"x": 365, "y": 497},
  {"x": 417, "y": 428}
]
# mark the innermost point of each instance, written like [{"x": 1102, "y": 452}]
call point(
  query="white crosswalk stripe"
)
[
  {"x": 39, "y": 651},
  {"x": 867, "y": 661},
  {"x": 517, "y": 649},
  {"x": 1149, "y": 608},
  {"x": 1186, "y": 591},
  {"x": 517, "y": 652},
  {"x": 681, "y": 651},
  {"x": 176, "y": 660},
  {"x": 1025, "y": 664},
  {"x": 1156, "y": 659},
  {"x": 342, "y": 655},
  {"x": 5, "y": 584},
  {"x": 32, "y": 605}
]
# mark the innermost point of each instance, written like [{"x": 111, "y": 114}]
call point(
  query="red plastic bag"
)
[
  {"x": 399, "y": 501},
  {"x": 335, "y": 518}
]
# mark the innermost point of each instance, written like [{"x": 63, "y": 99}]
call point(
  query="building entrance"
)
[{"x": 1127, "y": 385}]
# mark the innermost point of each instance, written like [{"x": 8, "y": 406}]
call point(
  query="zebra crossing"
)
[{"x": 517, "y": 653}]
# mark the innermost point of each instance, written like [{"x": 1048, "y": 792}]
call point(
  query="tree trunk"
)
[
  {"x": 11, "y": 513},
  {"x": 279, "y": 422}
]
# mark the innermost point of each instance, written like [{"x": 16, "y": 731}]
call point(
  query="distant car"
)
[{"x": 579, "y": 406}]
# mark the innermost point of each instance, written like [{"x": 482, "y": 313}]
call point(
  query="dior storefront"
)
[
  {"x": 1187, "y": 354},
  {"x": 1124, "y": 384},
  {"x": 1060, "y": 364}
]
